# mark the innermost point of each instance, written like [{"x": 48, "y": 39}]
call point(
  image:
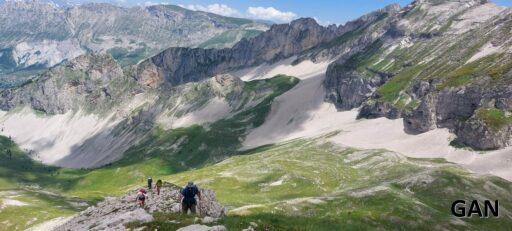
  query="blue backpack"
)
[{"x": 189, "y": 193}]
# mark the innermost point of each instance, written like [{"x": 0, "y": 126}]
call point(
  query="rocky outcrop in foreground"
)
[{"x": 115, "y": 212}]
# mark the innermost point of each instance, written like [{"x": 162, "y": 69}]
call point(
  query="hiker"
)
[
  {"x": 158, "y": 186},
  {"x": 188, "y": 200},
  {"x": 9, "y": 153},
  {"x": 141, "y": 197},
  {"x": 150, "y": 183}
]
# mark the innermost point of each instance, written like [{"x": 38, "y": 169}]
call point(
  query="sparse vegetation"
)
[
  {"x": 229, "y": 38},
  {"x": 161, "y": 153},
  {"x": 390, "y": 91},
  {"x": 323, "y": 187},
  {"x": 494, "y": 117}
]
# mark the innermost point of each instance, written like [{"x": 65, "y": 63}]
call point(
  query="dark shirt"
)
[{"x": 189, "y": 194}]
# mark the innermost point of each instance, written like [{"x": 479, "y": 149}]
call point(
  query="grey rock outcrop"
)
[
  {"x": 91, "y": 81},
  {"x": 114, "y": 212},
  {"x": 37, "y": 34},
  {"x": 425, "y": 64},
  {"x": 476, "y": 133},
  {"x": 181, "y": 65},
  {"x": 198, "y": 227},
  {"x": 345, "y": 86}
]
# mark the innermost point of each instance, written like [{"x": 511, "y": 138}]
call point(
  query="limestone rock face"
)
[
  {"x": 433, "y": 63},
  {"x": 39, "y": 34},
  {"x": 476, "y": 133},
  {"x": 92, "y": 81},
  {"x": 114, "y": 212},
  {"x": 180, "y": 65}
]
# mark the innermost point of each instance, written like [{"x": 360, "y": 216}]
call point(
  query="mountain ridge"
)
[
  {"x": 373, "y": 124},
  {"x": 44, "y": 35},
  {"x": 369, "y": 53}
]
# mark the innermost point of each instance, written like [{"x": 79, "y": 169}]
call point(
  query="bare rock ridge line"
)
[
  {"x": 420, "y": 67},
  {"x": 416, "y": 63},
  {"x": 303, "y": 37},
  {"x": 99, "y": 78},
  {"x": 419, "y": 88},
  {"x": 38, "y": 34},
  {"x": 182, "y": 65},
  {"x": 115, "y": 212}
]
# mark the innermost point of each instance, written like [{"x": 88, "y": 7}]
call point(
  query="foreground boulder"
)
[
  {"x": 197, "y": 227},
  {"x": 115, "y": 212}
]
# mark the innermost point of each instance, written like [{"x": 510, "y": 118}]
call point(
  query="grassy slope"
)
[
  {"x": 299, "y": 185},
  {"x": 160, "y": 154},
  {"x": 321, "y": 187},
  {"x": 40, "y": 205},
  {"x": 228, "y": 38},
  {"x": 441, "y": 59}
]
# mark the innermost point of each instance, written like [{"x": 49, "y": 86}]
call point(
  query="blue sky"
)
[{"x": 325, "y": 11}]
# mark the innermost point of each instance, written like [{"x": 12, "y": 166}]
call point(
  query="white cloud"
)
[
  {"x": 215, "y": 8},
  {"x": 266, "y": 13},
  {"x": 150, "y": 3},
  {"x": 270, "y": 13}
]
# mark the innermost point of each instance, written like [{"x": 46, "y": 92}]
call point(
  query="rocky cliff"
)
[
  {"x": 89, "y": 82},
  {"x": 437, "y": 64},
  {"x": 36, "y": 34},
  {"x": 115, "y": 212},
  {"x": 100, "y": 110},
  {"x": 422, "y": 63},
  {"x": 182, "y": 65}
]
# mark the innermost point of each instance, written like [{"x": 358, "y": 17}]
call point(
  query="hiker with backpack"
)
[
  {"x": 141, "y": 197},
  {"x": 158, "y": 186},
  {"x": 150, "y": 183},
  {"x": 187, "y": 196}
]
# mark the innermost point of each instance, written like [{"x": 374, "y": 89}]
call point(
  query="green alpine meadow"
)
[{"x": 214, "y": 117}]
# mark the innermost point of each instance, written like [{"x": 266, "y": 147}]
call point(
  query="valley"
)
[{"x": 380, "y": 123}]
